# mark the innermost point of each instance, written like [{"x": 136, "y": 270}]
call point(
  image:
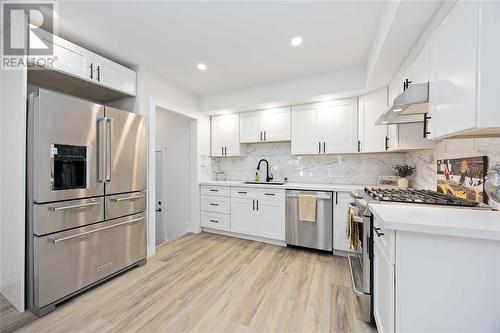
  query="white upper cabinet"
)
[
  {"x": 421, "y": 65},
  {"x": 305, "y": 138},
  {"x": 465, "y": 71},
  {"x": 226, "y": 136},
  {"x": 78, "y": 62},
  {"x": 275, "y": 124},
  {"x": 338, "y": 126},
  {"x": 265, "y": 126},
  {"x": 372, "y": 138},
  {"x": 114, "y": 76},
  {"x": 250, "y": 127},
  {"x": 325, "y": 128}
]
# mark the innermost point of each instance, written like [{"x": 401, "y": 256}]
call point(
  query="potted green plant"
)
[{"x": 403, "y": 171}]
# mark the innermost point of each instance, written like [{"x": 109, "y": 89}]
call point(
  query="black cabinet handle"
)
[
  {"x": 225, "y": 151},
  {"x": 386, "y": 143},
  {"x": 324, "y": 148},
  {"x": 91, "y": 71},
  {"x": 257, "y": 204},
  {"x": 319, "y": 147},
  {"x": 264, "y": 135},
  {"x": 213, "y": 190},
  {"x": 359, "y": 146},
  {"x": 336, "y": 198},
  {"x": 222, "y": 151},
  {"x": 406, "y": 84},
  {"x": 269, "y": 194},
  {"x": 260, "y": 135},
  {"x": 253, "y": 204},
  {"x": 213, "y": 204},
  {"x": 377, "y": 231},
  {"x": 214, "y": 221},
  {"x": 242, "y": 192},
  {"x": 99, "y": 73},
  {"x": 426, "y": 132}
]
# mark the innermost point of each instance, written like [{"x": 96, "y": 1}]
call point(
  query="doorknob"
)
[{"x": 158, "y": 210}]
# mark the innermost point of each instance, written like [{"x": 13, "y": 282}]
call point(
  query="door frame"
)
[
  {"x": 163, "y": 152},
  {"x": 154, "y": 104}
]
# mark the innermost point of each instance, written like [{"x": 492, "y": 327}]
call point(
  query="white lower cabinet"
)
[
  {"x": 262, "y": 214},
  {"x": 340, "y": 210},
  {"x": 215, "y": 207},
  {"x": 383, "y": 290},
  {"x": 243, "y": 217}
]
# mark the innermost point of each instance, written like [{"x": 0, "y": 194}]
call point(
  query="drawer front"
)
[
  {"x": 215, "y": 221},
  {"x": 243, "y": 192},
  {"x": 54, "y": 217},
  {"x": 68, "y": 261},
  {"x": 215, "y": 190},
  {"x": 215, "y": 204},
  {"x": 271, "y": 194},
  {"x": 125, "y": 204},
  {"x": 385, "y": 238}
]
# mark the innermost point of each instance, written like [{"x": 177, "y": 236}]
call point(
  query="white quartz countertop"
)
[
  {"x": 462, "y": 222},
  {"x": 297, "y": 186}
]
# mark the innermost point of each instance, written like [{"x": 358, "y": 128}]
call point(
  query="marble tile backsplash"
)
[
  {"x": 338, "y": 169},
  {"x": 425, "y": 160}
]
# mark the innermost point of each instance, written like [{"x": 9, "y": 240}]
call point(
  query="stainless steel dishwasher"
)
[{"x": 316, "y": 235}]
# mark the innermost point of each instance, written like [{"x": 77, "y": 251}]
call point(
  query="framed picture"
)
[{"x": 463, "y": 177}]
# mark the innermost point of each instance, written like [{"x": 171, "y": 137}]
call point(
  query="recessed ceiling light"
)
[
  {"x": 202, "y": 67},
  {"x": 296, "y": 41}
]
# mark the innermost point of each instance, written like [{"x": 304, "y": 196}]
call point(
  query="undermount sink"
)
[{"x": 265, "y": 183}]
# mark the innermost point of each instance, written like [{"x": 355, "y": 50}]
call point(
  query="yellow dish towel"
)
[
  {"x": 352, "y": 230},
  {"x": 307, "y": 208}
]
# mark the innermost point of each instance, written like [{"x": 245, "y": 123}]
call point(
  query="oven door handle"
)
[{"x": 57, "y": 240}]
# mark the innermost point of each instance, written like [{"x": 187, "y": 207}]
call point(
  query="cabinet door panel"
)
[
  {"x": 276, "y": 124},
  {"x": 271, "y": 219},
  {"x": 340, "y": 241},
  {"x": 225, "y": 135},
  {"x": 243, "y": 216},
  {"x": 421, "y": 65},
  {"x": 338, "y": 123},
  {"x": 69, "y": 58},
  {"x": 453, "y": 89},
  {"x": 250, "y": 127},
  {"x": 371, "y": 107},
  {"x": 114, "y": 76},
  {"x": 383, "y": 293},
  {"x": 304, "y": 130}
]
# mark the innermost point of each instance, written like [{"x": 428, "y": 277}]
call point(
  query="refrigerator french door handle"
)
[
  {"x": 109, "y": 157},
  {"x": 101, "y": 157}
]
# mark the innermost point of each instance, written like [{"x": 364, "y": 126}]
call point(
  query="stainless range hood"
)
[{"x": 409, "y": 107}]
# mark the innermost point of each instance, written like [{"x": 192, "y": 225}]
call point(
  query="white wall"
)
[
  {"x": 173, "y": 138},
  {"x": 12, "y": 185},
  {"x": 156, "y": 91},
  {"x": 286, "y": 92}
]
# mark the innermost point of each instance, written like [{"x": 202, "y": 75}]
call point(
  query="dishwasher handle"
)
[{"x": 319, "y": 195}]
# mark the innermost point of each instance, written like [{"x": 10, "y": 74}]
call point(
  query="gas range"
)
[{"x": 411, "y": 196}]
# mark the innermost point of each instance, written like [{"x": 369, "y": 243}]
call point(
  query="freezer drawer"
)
[
  {"x": 315, "y": 235},
  {"x": 55, "y": 217},
  {"x": 68, "y": 261},
  {"x": 125, "y": 204}
]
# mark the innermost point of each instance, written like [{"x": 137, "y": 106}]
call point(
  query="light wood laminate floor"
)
[{"x": 213, "y": 283}]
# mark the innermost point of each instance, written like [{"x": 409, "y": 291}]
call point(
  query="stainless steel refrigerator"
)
[{"x": 86, "y": 196}]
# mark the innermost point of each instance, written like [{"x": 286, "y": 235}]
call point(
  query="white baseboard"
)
[{"x": 248, "y": 237}]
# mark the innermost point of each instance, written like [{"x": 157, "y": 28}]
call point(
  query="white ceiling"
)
[{"x": 243, "y": 43}]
